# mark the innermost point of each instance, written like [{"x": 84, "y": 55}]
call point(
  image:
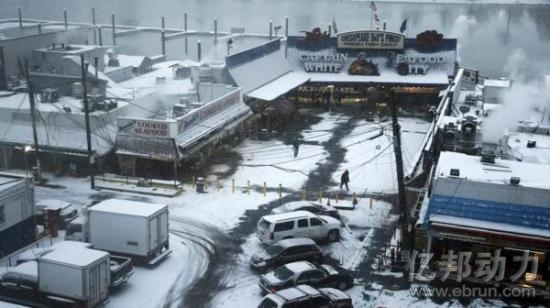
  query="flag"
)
[
  {"x": 403, "y": 26},
  {"x": 376, "y": 18},
  {"x": 373, "y": 6},
  {"x": 334, "y": 25}
]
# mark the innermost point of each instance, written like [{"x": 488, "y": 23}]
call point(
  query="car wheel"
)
[
  {"x": 333, "y": 236},
  {"x": 342, "y": 285}
]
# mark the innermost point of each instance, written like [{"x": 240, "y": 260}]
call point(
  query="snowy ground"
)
[
  {"x": 370, "y": 158},
  {"x": 204, "y": 226}
]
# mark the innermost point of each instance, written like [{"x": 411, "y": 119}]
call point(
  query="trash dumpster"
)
[{"x": 200, "y": 185}]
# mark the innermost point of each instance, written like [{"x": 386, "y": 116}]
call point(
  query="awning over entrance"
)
[
  {"x": 489, "y": 227},
  {"x": 279, "y": 86}
]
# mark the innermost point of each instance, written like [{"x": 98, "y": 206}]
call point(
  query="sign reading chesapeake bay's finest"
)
[
  {"x": 323, "y": 63},
  {"x": 371, "y": 39}
]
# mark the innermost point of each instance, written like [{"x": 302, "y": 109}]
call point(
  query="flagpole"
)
[{"x": 371, "y": 19}]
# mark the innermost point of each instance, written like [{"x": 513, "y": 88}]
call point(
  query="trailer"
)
[
  {"x": 78, "y": 274},
  {"x": 136, "y": 229},
  {"x": 17, "y": 227}
]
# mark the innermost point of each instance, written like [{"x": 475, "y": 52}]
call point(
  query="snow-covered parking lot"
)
[{"x": 212, "y": 234}]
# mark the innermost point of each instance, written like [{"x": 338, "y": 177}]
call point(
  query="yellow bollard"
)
[
  {"x": 265, "y": 189},
  {"x": 280, "y": 191},
  {"x": 370, "y": 203},
  {"x": 233, "y": 185},
  {"x": 248, "y": 187},
  {"x": 304, "y": 193},
  {"x": 217, "y": 183},
  {"x": 193, "y": 181}
]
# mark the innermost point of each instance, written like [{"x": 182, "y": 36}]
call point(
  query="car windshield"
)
[
  {"x": 273, "y": 250},
  {"x": 264, "y": 224},
  {"x": 283, "y": 273}
]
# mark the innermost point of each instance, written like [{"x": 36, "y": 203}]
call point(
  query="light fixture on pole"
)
[
  {"x": 26, "y": 149},
  {"x": 277, "y": 28}
]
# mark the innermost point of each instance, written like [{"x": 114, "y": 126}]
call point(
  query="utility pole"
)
[
  {"x": 403, "y": 209},
  {"x": 91, "y": 159},
  {"x": 33, "y": 119}
]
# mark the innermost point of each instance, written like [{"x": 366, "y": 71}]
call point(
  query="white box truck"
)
[
  {"x": 79, "y": 274},
  {"x": 131, "y": 228}
]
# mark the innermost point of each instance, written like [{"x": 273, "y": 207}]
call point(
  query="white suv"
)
[{"x": 272, "y": 228}]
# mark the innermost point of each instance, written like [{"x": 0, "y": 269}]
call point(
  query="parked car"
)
[
  {"x": 286, "y": 251},
  {"x": 272, "y": 228},
  {"x": 303, "y": 272},
  {"x": 309, "y": 206},
  {"x": 306, "y": 296},
  {"x": 66, "y": 211},
  {"x": 20, "y": 281}
]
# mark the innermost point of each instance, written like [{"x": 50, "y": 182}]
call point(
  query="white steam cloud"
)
[{"x": 529, "y": 92}]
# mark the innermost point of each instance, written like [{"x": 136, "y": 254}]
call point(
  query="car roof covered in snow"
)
[
  {"x": 334, "y": 294},
  {"x": 295, "y": 242},
  {"x": 300, "y": 266},
  {"x": 128, "y": 207},
  {"x": 297, "y": 292},
  {"x": 296, "y": 205},
  {"x": 289, "y": 215}
]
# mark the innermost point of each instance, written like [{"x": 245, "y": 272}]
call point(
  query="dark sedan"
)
[
  {"x": 317, "y": 209},
  {"x": 303, "y": 272}
]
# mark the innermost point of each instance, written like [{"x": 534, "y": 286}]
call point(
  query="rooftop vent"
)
[
  {"x": 488, "y": 158},
  {"x": 514, "y": 180},
  {"x": 455, "y": 172},
  {"x": 531, "y": 144}
]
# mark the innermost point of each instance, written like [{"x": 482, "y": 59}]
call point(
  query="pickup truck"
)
[{"x": 121, "y": 270}]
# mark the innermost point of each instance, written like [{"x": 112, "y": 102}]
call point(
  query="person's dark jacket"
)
[{"x": 345, "y": 177}]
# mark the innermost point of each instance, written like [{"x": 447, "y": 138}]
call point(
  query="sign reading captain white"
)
[
  {"x": 323, "y": 63},
  {"x": 371, "y": 39}
]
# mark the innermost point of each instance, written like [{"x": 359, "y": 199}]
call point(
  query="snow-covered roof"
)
[
  {"x": 517, "y": 144},
  {"x": 129, "y": 60},
  {"x": 76, "y": 256},
  {"x": 497, "y": 83},
  {"x": 73, "y": 49},
  {"x": 128, "y": 207},
  {"x": 472, "y": 169},
  {"x": 488, "y": 225},
  {"x": 161, "y": 70},
  {"x": 279, "y": 86},
  {"x": 196, "y": 132},
  {"x": 52, "y": 204},
  {"x": 6, "y": 182},
  {"x": 259, "y": 72},
  {"x": 289, "y": 215}
]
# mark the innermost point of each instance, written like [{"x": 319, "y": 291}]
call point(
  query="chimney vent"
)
[
  {"x": 455, "y": 172},
  {"x": 514, "y": 180}
]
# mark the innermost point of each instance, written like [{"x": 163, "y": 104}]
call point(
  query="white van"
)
[{"x": 272, "y": 228}]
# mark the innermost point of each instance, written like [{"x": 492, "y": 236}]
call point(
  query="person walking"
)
[{"x": 344, "y": 179}]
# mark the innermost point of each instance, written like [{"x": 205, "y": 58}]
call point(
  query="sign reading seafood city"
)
[{"x": 371, "y": 39}]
